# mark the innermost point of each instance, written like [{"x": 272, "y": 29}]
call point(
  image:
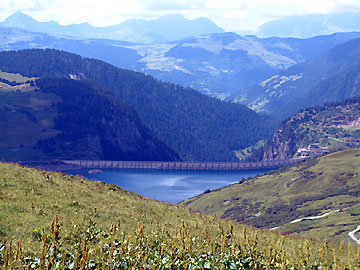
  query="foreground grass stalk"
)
[
  {"x": 177, "y": 248},
  {"x": 152, "y": 235}
]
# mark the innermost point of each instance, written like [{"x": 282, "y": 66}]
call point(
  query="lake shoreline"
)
[{"x": 170, "y": 186}]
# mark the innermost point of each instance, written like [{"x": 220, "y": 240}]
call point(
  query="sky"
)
[{"x": 232, "y": 15}]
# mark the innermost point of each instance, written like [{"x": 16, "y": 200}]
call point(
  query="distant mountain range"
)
[
  {"x": 278, "y": 76},
  {"x": 310, "y": 25},
  {"x": 218, "y": 64},
  {"x": 222, "y": 64},
  {"x": 172, "y": 27},
  {"x": 332, "y": 76},
  {"x": 166, "y": 28}
]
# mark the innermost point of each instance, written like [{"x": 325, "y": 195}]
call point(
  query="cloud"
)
[
  {"x": 347, "y": 6},
  {"x": 172, "y": 5},
  {"x": 232, "y": 15},
  {"x": 100, "y": 13},
  {"x": 235, "y": 15},
  {"x": 9, "y": 5}
]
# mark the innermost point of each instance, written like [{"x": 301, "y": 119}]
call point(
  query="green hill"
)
[
  {"x": 56, "y": 221},
  {"x": 312, "y": 188}
]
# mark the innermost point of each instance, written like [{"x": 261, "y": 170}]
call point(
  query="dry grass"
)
[{"x": 57, "y": 221}]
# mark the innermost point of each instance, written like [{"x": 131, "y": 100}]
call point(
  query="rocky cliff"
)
[{"x": 314, "y": 131}]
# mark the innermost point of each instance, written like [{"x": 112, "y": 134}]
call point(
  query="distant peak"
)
[
  {"x": 19, "y": 16},
  {"x": 202, "y": 19},
  {"x": 18, "y": 13},
  {"x": 82, "y": 24}
]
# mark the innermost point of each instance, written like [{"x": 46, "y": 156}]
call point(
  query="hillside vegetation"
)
[
  {"x": 197, "y": 127},
  {"x": 330, "y": 127},
  {"x": 57, "y": 221},
  {"x": 311, "y": 188}
]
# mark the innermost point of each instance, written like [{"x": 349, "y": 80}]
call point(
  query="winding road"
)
[
  {"x": 352, "y": 235},
  {"x": 309, "y": 218},
  {"x": 316, "y": 217}
]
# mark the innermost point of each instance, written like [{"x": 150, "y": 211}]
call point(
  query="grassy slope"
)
[
  {"x": 311, "y": 188},
  {"x": 31, "y": 199},
  {"x": 12, "y": 77},
  {"x": 27, "y": 117},
  {"x": 148, "y": 233},
  {"x": 15, "y": 77}
]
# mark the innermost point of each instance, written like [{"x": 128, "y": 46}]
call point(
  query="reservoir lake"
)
[{"x": 170, "y": 186}]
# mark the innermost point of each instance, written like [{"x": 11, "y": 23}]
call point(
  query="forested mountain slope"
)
[
  {"x": 196, "y": 126},
  {"x": 68, "y": 119}
]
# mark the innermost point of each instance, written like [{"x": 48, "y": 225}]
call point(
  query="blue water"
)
[{"x": 169, "y": 186}]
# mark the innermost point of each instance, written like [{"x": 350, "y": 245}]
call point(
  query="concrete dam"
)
[{"x": 162, "y": 165}]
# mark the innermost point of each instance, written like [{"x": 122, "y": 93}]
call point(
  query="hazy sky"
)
[{"x": 232, "y": 15}]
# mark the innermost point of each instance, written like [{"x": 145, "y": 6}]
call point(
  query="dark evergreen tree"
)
[{"x": 198, "y": 127}]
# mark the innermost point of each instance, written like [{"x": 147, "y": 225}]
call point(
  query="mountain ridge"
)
[
  {"x": 304, "y": 26},
  {"x": 164, "y": 29},
  {"x": 308, "y": 83},
  {"x": 218, "y": 64}
]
